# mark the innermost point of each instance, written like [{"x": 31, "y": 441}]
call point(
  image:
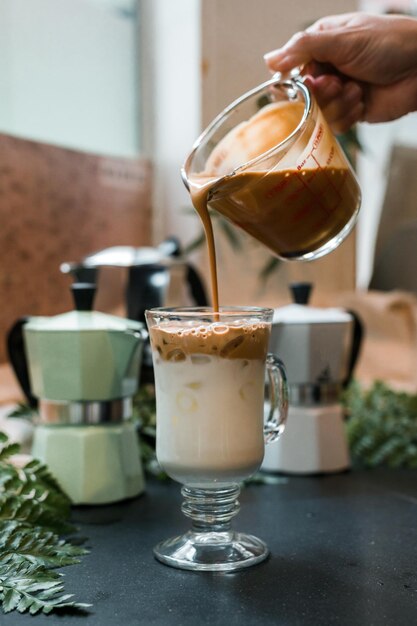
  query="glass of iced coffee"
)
[{"x": 210, "y": 372}]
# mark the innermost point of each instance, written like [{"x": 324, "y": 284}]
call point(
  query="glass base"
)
[
  {"x": 212, "y": 551},
  {"x": 211, "y": 545}
]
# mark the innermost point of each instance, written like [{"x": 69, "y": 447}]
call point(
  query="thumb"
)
[{"x": 305, "y": 47}]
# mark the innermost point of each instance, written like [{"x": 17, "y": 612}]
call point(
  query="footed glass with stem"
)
[{"x": 210, "y": 370}]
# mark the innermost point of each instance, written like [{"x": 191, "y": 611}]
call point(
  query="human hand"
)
[{"x": 360, "y": 67}]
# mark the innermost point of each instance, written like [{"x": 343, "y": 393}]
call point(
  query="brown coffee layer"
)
[
  {"x": 291, "y": 212},
  {"x": 174, "y": 342}
]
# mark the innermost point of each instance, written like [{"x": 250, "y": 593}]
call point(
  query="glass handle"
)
[{"x": 278, "y": 398}]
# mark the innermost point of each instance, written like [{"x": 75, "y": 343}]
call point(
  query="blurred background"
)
[{"x": 101, "y": 102}]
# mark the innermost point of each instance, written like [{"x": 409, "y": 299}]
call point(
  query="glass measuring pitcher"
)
[{"x": 271, "y": 165}]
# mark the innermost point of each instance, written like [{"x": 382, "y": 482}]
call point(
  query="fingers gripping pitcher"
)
[{"x": 270, "y": 164}]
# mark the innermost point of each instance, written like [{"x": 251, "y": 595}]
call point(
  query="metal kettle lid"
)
[
  {"x": 167, "y": 253},
  {"x": 301, "y": 313},
  {"x": 83, "y": 318}
]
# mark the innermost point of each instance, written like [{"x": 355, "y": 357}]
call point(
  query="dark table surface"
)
[{"x": 343, "y": 551}]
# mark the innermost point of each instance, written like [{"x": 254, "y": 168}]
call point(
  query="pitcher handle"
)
[{"x": 278, "y": 399}]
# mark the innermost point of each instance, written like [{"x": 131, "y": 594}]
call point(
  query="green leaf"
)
[
  {"x": 263, "y": 101},
  {"x": 270, "y": 266},
  {"x": 20, "y": 543},
  {"x": 7, "y": 450},
  {"x": 381, "y": 426},
  {"x": 195, "y": 244},
  {"x": 231, "y": 234},
  {"x": 23, "y": 410},
  {"x": 10, "y": 600},
  {"x": 261, "y": 478},
  {"x": 144, "y": 412},
  {"x": 350, "y": 144},
  {"x": 34, "y": 514}
]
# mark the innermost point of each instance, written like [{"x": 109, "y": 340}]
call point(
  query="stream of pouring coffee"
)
[{"x": 199, "y": 196}]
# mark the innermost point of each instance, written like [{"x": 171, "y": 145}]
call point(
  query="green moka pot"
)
[
  {"x": 83, "y": 355},
  {"x": 83, "y": 368}
]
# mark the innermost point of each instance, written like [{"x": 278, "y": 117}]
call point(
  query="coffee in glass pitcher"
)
[{"x": 271, "y": 165}]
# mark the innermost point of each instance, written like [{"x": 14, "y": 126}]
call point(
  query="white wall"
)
[
  {"x": 68, "y": 74},
  {"x": 374, "y": 161},
  {"x": 236, "y": 34},
  {"x": 171, "y": 83},
  {"x": 373, "y": 165}
]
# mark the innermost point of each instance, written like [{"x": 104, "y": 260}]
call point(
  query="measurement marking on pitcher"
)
[
  {"x": 329, "y": 177},
  {"x": 317, "y": 196}
]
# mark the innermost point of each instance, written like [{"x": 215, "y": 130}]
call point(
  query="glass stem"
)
[{"x": 211, "y": 510}]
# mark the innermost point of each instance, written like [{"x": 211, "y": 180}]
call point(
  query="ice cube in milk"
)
[{"x": 209, "y": 418}]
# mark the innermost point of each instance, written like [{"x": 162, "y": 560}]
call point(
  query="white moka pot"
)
[{"x": 319, "y": 348}]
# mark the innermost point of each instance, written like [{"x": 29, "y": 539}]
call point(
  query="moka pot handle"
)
[{"x": 16, "y": 351}]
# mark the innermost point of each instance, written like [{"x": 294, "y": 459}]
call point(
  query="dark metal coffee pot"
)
[{"x": 155, "y": 277}]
